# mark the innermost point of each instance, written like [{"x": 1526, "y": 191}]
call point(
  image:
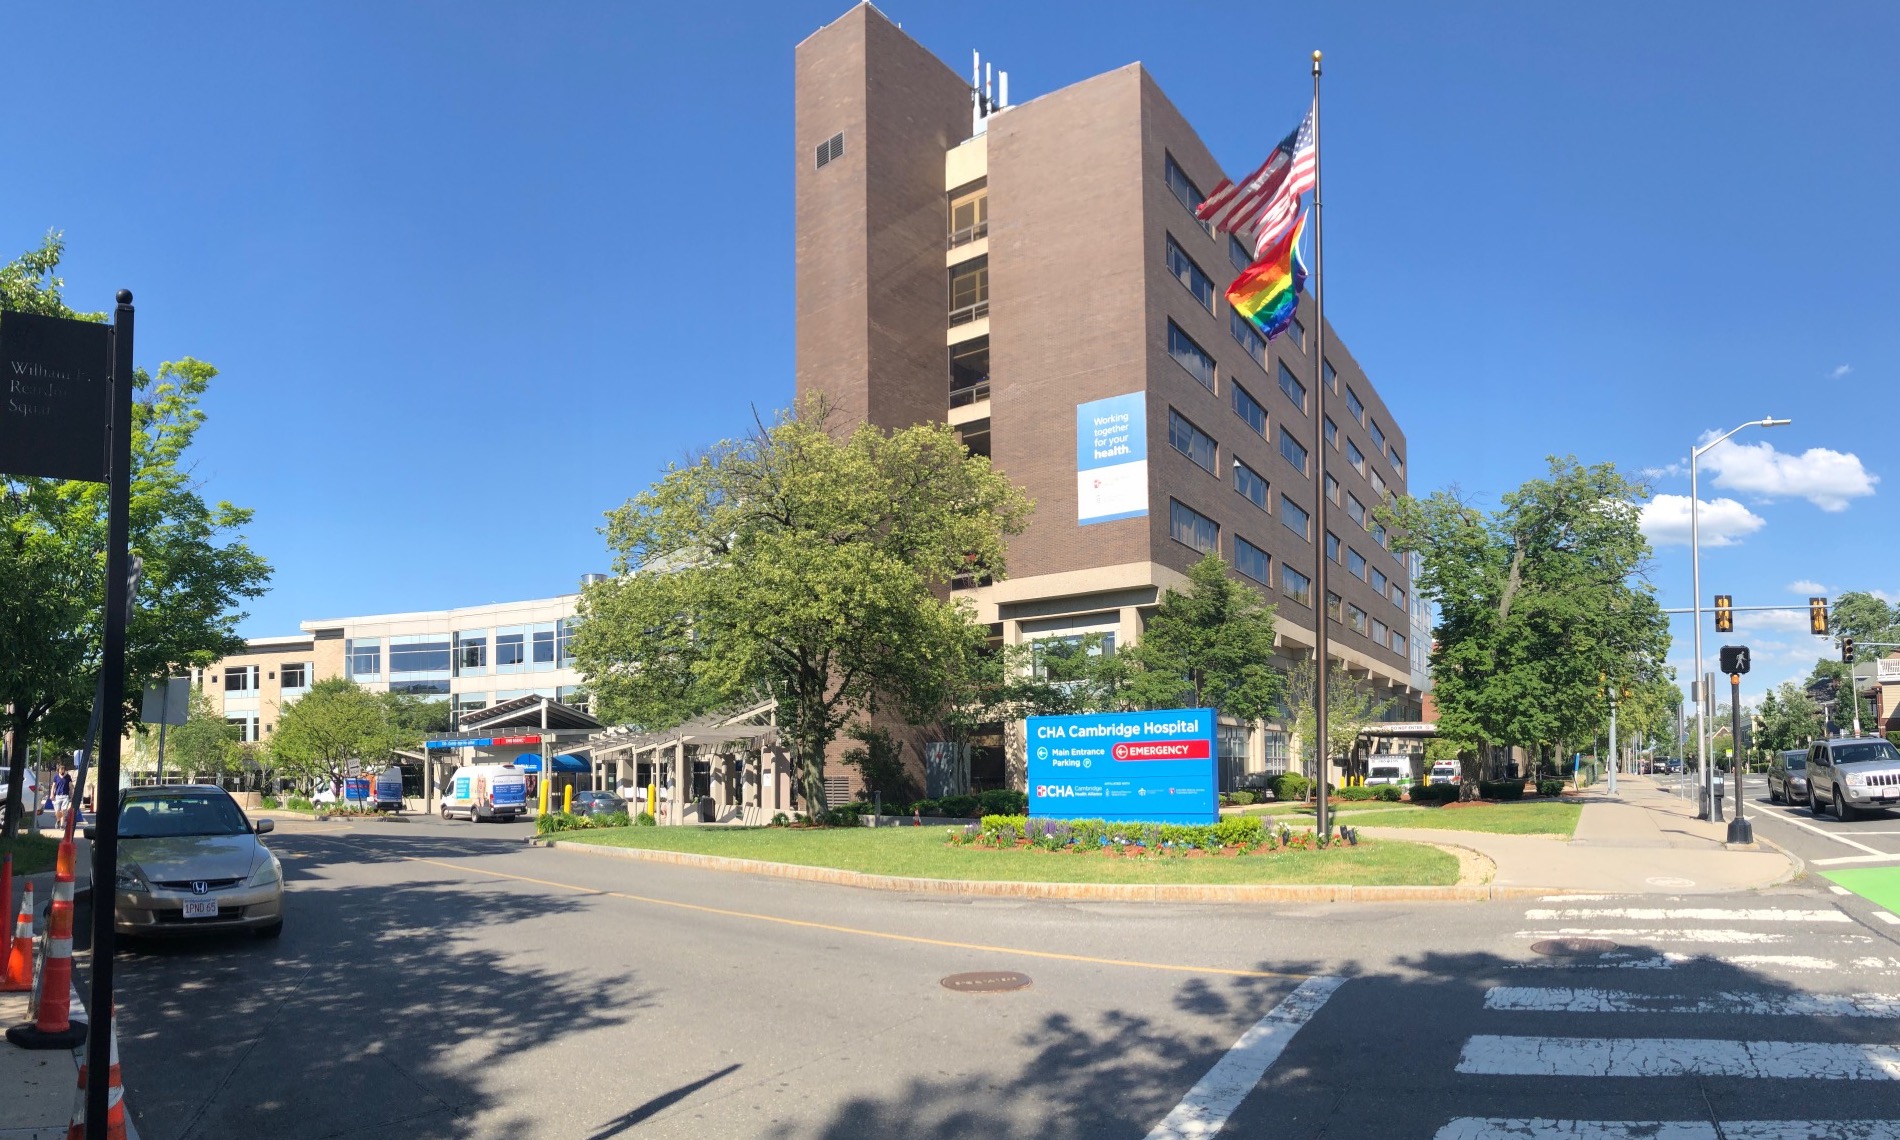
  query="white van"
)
[
  {"x": 1444, "y": 774},
  {"x": 486, "y": 791},
  {"x": 1388, "y": 772},
  {"x": 386, "y": 793}
]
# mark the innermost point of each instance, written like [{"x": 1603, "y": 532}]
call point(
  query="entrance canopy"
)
[
  {"x": 529, "y": 712},
  {"x": 529, "y": 762}
]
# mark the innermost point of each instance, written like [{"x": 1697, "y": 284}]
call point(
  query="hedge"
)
[
  {"x": 1550, "y": 787},
  {"x": 996, "y": 801},
  {"x": 1501, "y": 789},
  {"x": 1434, "y": 795},
  {"x": 1290, "y": 786},
  {"x": 1245, "y": 831}
]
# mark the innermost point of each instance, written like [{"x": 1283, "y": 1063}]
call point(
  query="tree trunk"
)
[{"x": 16, "y": 777}]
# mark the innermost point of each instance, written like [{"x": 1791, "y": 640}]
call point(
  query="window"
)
[
  {"x": 420, "y": 686},
  {"x": 970, "y": 291},
  {"x": 1192, "y": 528},
  {"x": 364, "y": 657},
  {"x": 1353, "y": 405},
  {"x": 1355, "y": 457},
  {"x": 1398, "y": 595},
  {"x": 1331, "y": 375},
  {"x": 564, "y": 642},
  {"x": 1184, "y": 189},
  {"x": 969, "y": 371},
  {"x": 1355, "y": 618},
  {"x": 470, "y": 702},
  {"x": 1380, "y": 582},
  {"x": 541, "y": 647},
  {"x": 1248, "y": 408},
  {"x": 575, "y": 696},
  {"x": 246, "y": 726},
  {"x": 1181, "y": 346},
  {"x": 1293, "y": 449},
  {"x": 1378, "y": 532},
  {"x": 511, "y": 650},
  {"x": 1296, "y": 585},
  {"x": 1356, "y": 509},
  {"x": 1190, "y": 275},
  {"x": 1377, "y": 481},
  {"x": 296, "y": 675},
  {"x": 1355, "y": 563},
  {"x": 1247, "y": 337},
  {"x": 1381, "y": 633},
  {"x": 1191, "y": 441},
  {"x": 1293, "y": 516},
  {"x": 1332, "y": 546},
  {"x": 1378, "y": 436},
  {"x": 1060, "y": 658},
  {"x": 1398, "y": 461},
  {"x": 419, "y": 653},
  {"x": 1398, "y": 643},
  {"x": 831, "y": 150},
  {"x": 1332, "y": 432},
  {"x": 1252, "y": 561},
  {"x": 237, "y": 678},
  {"x": 1332, "y": 489},
  {"x": 471, "y": 653},
  {"x": 1238, "y": 254},
  {"x": 969, "y": 217},
  {"x": 1249, "y": 483},
  {"x": 1296, "y": 332},
  {"x": 1290, "y": 384},
  {"x": 1332, "y": 605}
]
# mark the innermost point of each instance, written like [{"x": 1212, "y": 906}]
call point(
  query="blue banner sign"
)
[
  {"x": 1111, "y": 459},
  {"x": 1155, "y": 767}
]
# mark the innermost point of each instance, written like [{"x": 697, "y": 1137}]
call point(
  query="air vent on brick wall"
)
[{"x": 831, "y": 148}]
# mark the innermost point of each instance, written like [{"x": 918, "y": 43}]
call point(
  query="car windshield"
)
[
  {"x": 179, "y": 814},
  {"x": 1871, "y": 752},
  {"x": 1797, "y": 761}
]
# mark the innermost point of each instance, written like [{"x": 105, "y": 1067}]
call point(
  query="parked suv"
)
[
  {"x": 1788, "y": 777},
  {"x": 1853, "y": 774}
]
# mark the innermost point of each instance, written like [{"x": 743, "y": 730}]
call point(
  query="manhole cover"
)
[
  {"x": 987, "y": 982},
  {"x": 1561, "y": 946}
]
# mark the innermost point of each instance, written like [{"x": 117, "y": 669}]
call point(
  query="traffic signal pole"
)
[{"x": 1739, "y": 829}]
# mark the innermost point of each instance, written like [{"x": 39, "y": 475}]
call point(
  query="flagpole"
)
[{"x": 1323, "y": 744}]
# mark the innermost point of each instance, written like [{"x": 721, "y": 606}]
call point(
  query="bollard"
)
[
  {"x": 115, "y": 1094},
  {"x": 567, "y": 800},
  {"x": 53, "y": 1027},
  {"x": 19, "y": 972}
]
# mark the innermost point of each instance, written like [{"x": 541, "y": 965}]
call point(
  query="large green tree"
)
[
  {"x": 336, "y": 722},
  {"x": 197, "y": 568},
  {"x": 1870, "y": 621},
  {"x": 1790, "y": 718},
  {"x": 1541, "y": 604},
  {"x": 1207, "y": 646},
  {"x": 804, "y": 561},
  {"x": 1352, "y": 706}
]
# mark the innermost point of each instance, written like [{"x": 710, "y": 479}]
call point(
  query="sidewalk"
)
[{"x": 1644, "y": 840}]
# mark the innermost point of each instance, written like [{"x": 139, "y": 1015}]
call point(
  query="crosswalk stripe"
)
[
  {"x": 1692, "y": 914},
  {"x": 1676, "y": 1056},
  {"x": 1836, "y": 890},
  {"x": 1660, "y": 934},
  {"x": 1535, "y": 999},
  {"x": 1481, "y": 1128},
  {"x": 1672, "y": 960},
  {"x": 1206, "y": 1107},
  {"x": 1888, "y": 917}
]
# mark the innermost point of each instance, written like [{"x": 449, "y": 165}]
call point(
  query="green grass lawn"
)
[
  {"x": 34, "y": 853},
  {"x": 1526, "y": 817},
  {"x": 1296, "y": 809},
  {"x": 922, "y": 852}
]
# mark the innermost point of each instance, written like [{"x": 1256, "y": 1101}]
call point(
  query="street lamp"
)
[{"x": 1708, "y": 809}]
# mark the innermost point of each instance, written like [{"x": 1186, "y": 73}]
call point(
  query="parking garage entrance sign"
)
[
  {"x": 1152, "y": 767},
  {"x": 55, "y": 396}
]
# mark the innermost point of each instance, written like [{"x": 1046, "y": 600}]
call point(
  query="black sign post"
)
[
  {"x": 105, "y": 842},
  {"x": 1735, "y": 663}
]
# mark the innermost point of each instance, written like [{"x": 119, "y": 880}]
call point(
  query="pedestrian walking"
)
[{"x": 62, "y": 793}]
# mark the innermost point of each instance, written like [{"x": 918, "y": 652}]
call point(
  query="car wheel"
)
[
  {"x": 271, "y": 931},
  {"x": 1814, "y": 802},
  {"x": 1842, "y": 812},
  {"x": 1774, "y": 797}
]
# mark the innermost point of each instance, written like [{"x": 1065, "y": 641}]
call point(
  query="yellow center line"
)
[{"x": 886, "y": 935}]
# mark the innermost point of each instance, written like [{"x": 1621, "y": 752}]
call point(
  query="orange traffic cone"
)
[
  {"x": 53, "y": 1026},
  {"x": 115, "y": 1094},
  {"x": 19, "y": 975}
]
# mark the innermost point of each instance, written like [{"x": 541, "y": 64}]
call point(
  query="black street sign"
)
[
  {"x": 1735, "y": 659},
  {"x": 55, "y": 397}
]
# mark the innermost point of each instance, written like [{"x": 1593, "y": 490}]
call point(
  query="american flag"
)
[{"x": 1266, "y": 204}]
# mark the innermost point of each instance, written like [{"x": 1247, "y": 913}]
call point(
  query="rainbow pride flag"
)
[{"x": 1269, "y": 290}]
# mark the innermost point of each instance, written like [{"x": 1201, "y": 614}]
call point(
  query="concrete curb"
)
[
  {"x": 1797, "y": 866},
  {"x": 1073, "y": 892}
]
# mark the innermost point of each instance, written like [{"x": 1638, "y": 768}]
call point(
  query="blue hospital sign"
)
[
  {"x": 1157, "y": 767},
  {"x": 1111, "y": 458}
]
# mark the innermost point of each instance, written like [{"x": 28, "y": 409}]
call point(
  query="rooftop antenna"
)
[
  {"x": 1002, "y": 90},
  {"x": 977, "y": 109}
]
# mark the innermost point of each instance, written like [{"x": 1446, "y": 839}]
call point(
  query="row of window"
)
[
  {"x": 416, "y": 661},
  {"x": 1357, "y": 620},
  {"x": 1202, "y": 449},
  {"x": 244, "y": 678}
]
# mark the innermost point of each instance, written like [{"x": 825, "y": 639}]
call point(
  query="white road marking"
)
[
  {"x": 1836, "y": 890},
  {"x": 1206, "y": 1107},
  {"x": 1855, "y": 859},
  {"x": 1477, "y": 1128},
  {"x": 1693, "y": 914},
  {"x": 1788, "y": 818},
  {"x": 1532, "y": 999},
  {"x": 1677, "y": 1056},
  {"x": 1576, "y": 898},
  {"x": 1657, "y": 935},
  {"x": 1670, "y": 961},
  {"x": 1888, "y": 917}
]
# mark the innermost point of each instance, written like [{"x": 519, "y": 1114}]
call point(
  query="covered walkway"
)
[{"x": 721, "y": 768}]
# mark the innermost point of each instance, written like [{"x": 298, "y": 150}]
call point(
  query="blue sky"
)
[{"x": 474, "y": 272}]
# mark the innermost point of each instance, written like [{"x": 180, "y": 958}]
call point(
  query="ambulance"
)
[{"x": 486, "y": 791}]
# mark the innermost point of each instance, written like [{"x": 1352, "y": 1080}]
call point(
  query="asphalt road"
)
[
  {"x": 1821, "y": 841},
  {"x": 446, "y": 980}
]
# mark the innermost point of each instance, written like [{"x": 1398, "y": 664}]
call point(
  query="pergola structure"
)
[
  {"x": 534, "y": 722},
  {"x": 747, "y": 772}
]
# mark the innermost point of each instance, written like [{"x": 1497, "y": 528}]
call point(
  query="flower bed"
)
[{"x": 1235, "y": 835}]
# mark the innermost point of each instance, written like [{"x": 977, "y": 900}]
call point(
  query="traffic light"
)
[
  {"x": 1847, "y": 651},
  {"x": 1724, "y": 613},
  {"x": 1817, "y": 616}
]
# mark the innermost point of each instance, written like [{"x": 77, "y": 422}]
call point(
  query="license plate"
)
[
  {"x": 201, "y": 908},
  {"x": 1887, "y": 793}
]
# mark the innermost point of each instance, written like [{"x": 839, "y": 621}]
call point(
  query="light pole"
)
[{"x": 1695, "y": 574}]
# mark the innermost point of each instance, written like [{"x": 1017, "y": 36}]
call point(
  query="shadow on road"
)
[
  {"x": 658, "y": 1104},
  {"x": 373, "y": 1016}
]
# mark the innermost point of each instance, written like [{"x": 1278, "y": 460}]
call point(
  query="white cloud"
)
[
  {"x": 1749, "y": 621},
  {"x": 1724, "y": 522},
  {"x": 1840, "y": 370},
  {"x": 1805, "y": 586},
  {"x": 1673, "y": 470},
  {"x": 1823, "y": 476},
  {"x": 1890, "y": 599}
]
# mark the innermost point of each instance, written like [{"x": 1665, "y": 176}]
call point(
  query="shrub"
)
[
  {"x": 268, "y": 803},
  {"x": 778, "y": 820},
  {"x": 845, "y": 816},
  {"x": 1003, "y": 801},
  {"x": 1289, "y": 786},
  {"x": 993, "y": 822},
  {"x": 1240, "y": 831},
  {"x": 299, "y": 803},
  {"x": 1504, "y": 790},
  {"x": 926, "y": 807},
  {"x": 645, "y": 819},
  {"x": 1353, "y": 794},
  {"x": 879, "y": 760},
  {"x": 1390, "y": 793},
  {"x": 1549, "y": 788},
  {"x": 1434, "y": 795},
  {"x": 965, "y": 807}
]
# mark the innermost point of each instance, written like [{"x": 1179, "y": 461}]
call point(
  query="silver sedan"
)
[{"x": 190, "y": 862}]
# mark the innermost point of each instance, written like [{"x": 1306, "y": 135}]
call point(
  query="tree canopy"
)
[
  {"x": 197, "y": 568},
  {"x": 1207, "y": 646},
  {"x": 336, "y": 722},
  {"x": 1541, "y": 604},
  {"x": 804, "y": 561}
]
